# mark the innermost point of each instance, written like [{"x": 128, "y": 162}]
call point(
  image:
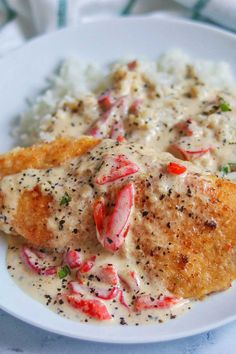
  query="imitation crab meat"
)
[
  {"x": 87, "y": 265},
  {"x": 105, "y": 294},
  {"x": 120, "y": 139},
  {"x": 100, "y": 128},
  {"x": 117, "y": 130},
  {"x": 73, "y": 259},
  {"x": 77, "y": 288},
  {"x": 135, "y": 106},
  {"x": 91, "y": 307},
  {"x": 112, "y": 229},
  {"x": 185, "y": 127},
  {"x": 131, "y": 280},
  {"x": 132, "y": 65},
  {"x": 189, "y": 127},
  {"x": 145, "y": 302},
  {"x": 122, "y": 300},
  {"x": 175, "y": 168},
  {"x": 105, "y": 101},
  {"x": 190, "y": 148},
  {"x": 118, "y": 167},
  {"x": 103, "y": 125},
  {"x": 108, "y": 274},
  {"x": 35, "y": 263}
]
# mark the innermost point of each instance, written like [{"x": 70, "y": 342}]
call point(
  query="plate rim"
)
[
  {"x": 137, "y": 340},
  {"x": 152, "y": 18}
]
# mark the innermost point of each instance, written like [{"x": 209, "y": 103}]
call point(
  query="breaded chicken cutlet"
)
[{"x": 178, "y": 224}]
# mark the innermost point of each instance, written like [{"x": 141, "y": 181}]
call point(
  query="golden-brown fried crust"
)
[
  {"x": 44, "y": 155},
  {"x": 192, "y": 246},
  {"x": 31, "y": 217},
  {"x": 188, "y": 240}
]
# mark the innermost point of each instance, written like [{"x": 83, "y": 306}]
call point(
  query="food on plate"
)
[
  {"x": 177, "y": 104},
  {"x": 122, "y": 207},
  {"x": 45, "y": 156},
  {"x": 159, "y": 217}
]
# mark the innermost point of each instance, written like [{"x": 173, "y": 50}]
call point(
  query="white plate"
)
[{"x": 22, "y": 74}]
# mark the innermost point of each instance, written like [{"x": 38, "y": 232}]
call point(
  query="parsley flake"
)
[
  {"x": 225, "y": 107},
  {"x": 65, "y": 200},
  {"x": 225, "y": 170},
  {"x": 63, "y": 272}
]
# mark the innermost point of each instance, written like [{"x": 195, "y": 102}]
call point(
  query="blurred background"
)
[{"x": 23, "y": 19}]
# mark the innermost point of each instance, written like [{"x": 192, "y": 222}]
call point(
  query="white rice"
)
[{"x": 76, "y": 79}]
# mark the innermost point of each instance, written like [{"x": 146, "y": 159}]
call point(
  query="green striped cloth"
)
[{"x": 41, "y": 16}]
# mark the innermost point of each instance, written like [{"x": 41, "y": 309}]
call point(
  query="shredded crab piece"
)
[
  {"x": 91, "y": 307},
  {"x": 106, "y": 100},
  {"x": 117, "y": 130},
  {"x": 132, "y": 65},
  {"x": 189, "y": 127},
  {"x": 104, "y": 294},
  {"x": 87, "y": 265},
  {"x": 145, "y": 302},
  {"x": 119, "y": 167},
  {"x": 76, "y": 288},
  {"x": 175, "y": 168},
  {"x": 189, "y": 154},
  {"x": 131, "y": 280},
  {"x": 108, "y": 274},
  {"x": 112, "y": 229},
  {"x": 32, "y": 261},
  {"x": 73, "y": 259},
  {"x": 102, "y": 127},
  {"x": 135, "y": 106},
  {"x": 123, "y": 301}
]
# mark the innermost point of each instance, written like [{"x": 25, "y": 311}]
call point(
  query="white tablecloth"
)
[{"x": 18, "y": 337}]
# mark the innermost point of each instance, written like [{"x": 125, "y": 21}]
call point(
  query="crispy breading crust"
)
[
  {"x": 33, "y": 208},
  {"x": 31, "y": 218},
  {"x": 188, "y": 240},
  {"x": 193, "y": 249},
  {"x": 44, "y": 155}
]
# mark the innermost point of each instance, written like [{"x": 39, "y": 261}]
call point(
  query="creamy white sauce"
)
[
  {"x": 49, "y": 291},
  {"x": 74, "y": 179},
  {"x": 155, "y": 122},
  {"x": 153, "y": 125}
]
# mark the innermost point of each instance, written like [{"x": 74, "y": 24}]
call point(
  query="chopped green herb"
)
[
  {"x": 225, "y": 107},
  {"x": 225, "y": 170},
  {"x": 232, "y": 166},
  {"x": 63, "y": 272},
  {"x": 65, "y": 200}
]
